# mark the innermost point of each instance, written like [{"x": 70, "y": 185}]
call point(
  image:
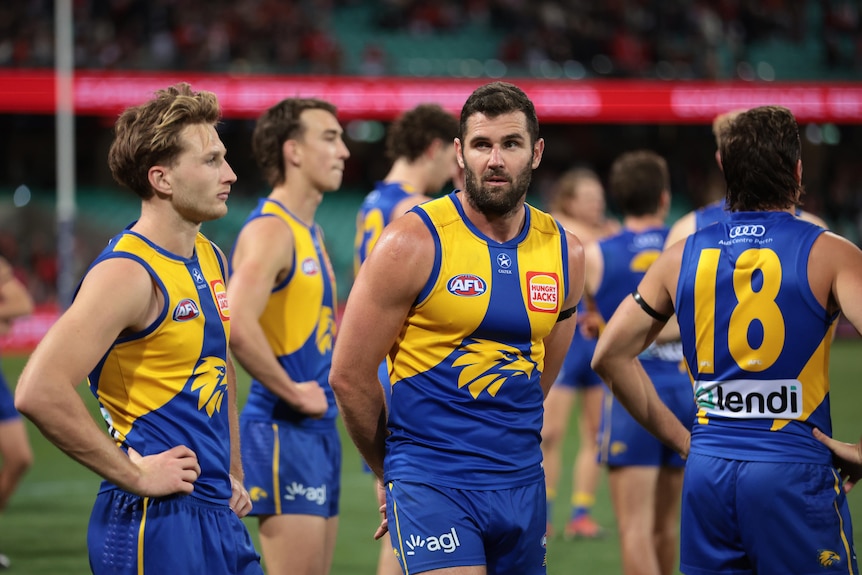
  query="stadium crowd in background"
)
[{"x": 626, "y": 38}]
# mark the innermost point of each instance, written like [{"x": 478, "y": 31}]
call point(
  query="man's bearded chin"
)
[{"x": 496, "y": 201}]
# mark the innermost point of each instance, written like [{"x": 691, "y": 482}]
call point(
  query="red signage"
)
[
  {"x": 28, "y": 331},
  {"x": 557, "y": 101}
]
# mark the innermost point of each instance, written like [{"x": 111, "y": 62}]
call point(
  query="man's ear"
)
[
  {"x": 160, "y": 180},
  {"x": 459, "y": 153},
  {"x": 538, "y": 150},
  {"x": 292, "y": 153}
]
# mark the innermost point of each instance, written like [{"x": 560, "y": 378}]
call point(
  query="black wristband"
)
[
  {"x": 646, "y": 307},
  {"x": 567, "y": 313}
]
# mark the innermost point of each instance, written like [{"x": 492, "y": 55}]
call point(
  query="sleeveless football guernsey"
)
[{"x": 469, "y": 359}]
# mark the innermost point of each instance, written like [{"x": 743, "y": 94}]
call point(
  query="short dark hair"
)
[
  {"x": 759, "y": 151},
  {"x": 149, "y": 134},
  {"x": 499, "y": 98},
  {"x": 278, "y": 124},
  {"x": 636, "y": 182},
  {"x": 415, "y": 130}
]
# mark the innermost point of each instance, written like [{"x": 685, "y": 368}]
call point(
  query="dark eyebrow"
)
[{"x": 508, "y": 137}]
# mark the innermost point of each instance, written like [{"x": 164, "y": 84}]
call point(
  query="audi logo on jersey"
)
[{"x": 755, "y": 230}]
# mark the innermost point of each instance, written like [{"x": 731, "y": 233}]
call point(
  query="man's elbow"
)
[
  {"x": 338, "y": 380},
  {"x": 348, "y": 382},
  {"x": 26, "y": 399},
  {"x": 599, "y": 363},
  {"x": 604, "y": 371},
  {"x": 240, "y": 339}
]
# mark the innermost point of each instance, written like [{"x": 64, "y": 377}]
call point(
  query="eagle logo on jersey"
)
[
  {"x": 325, "y": 330},
  {"x": 488, "y": 364},
  {"x": 828, "y": 558},
  {"x": 208, "y": 380},
  {"x": 257, "y": 493}
]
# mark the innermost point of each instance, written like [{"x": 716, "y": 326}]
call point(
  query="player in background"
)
[
  {"x": 716, "y": 210},
  {"x": 149, "y": 329},
  {"x": 578, "y": 203},
  {"x": 15, "y": 451},
  {"x": 421, "y": 146},
  {"x": 757, "y": 299},
  {"x": 283, "y": 296},
  {"x": 645, "y": 476}
]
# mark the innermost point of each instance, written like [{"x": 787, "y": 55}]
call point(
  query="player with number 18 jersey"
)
[{"x": 757, "y": 345}]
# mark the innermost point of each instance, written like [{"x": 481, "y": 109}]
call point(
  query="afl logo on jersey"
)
[
  {"x": 544, "y": 290},
  {"x": 186, "y": 310},
  {"x": 310, "y": 267},
  {"x": 466, "y": 285}
]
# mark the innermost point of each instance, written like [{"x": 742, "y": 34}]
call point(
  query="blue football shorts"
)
[
  {"x": 747, "y": 517},
  {"x": 291, "y": 470},
  {"x": 7, "y": 401},
  {"x": 434, "y": 527},
  {"x": 132, "y": 535},
  {"x": 576, "y": 372},
  {"x": 624, "y": 442}
]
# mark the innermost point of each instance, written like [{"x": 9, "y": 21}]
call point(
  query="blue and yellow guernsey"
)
[
  {"x": 466, "y": 399},
  {"x": 626, "y": 257},
  {"x": 167, "y": 385},
  {"x": 299, "y": 322},
  {"x": 375, "y": 213},
  {"x": 716, "y": 212},
  {"x": 710, "y": 214},
  {"x": 756, "y": 340}
]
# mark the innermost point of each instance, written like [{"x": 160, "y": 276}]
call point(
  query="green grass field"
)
[{"x": 44, "y": 529}]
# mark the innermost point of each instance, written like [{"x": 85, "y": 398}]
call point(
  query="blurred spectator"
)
[
  {"x": 374, "y": 61},
  {"x": 320, "y": 50},
  {"x": 683, "y": 39}
]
